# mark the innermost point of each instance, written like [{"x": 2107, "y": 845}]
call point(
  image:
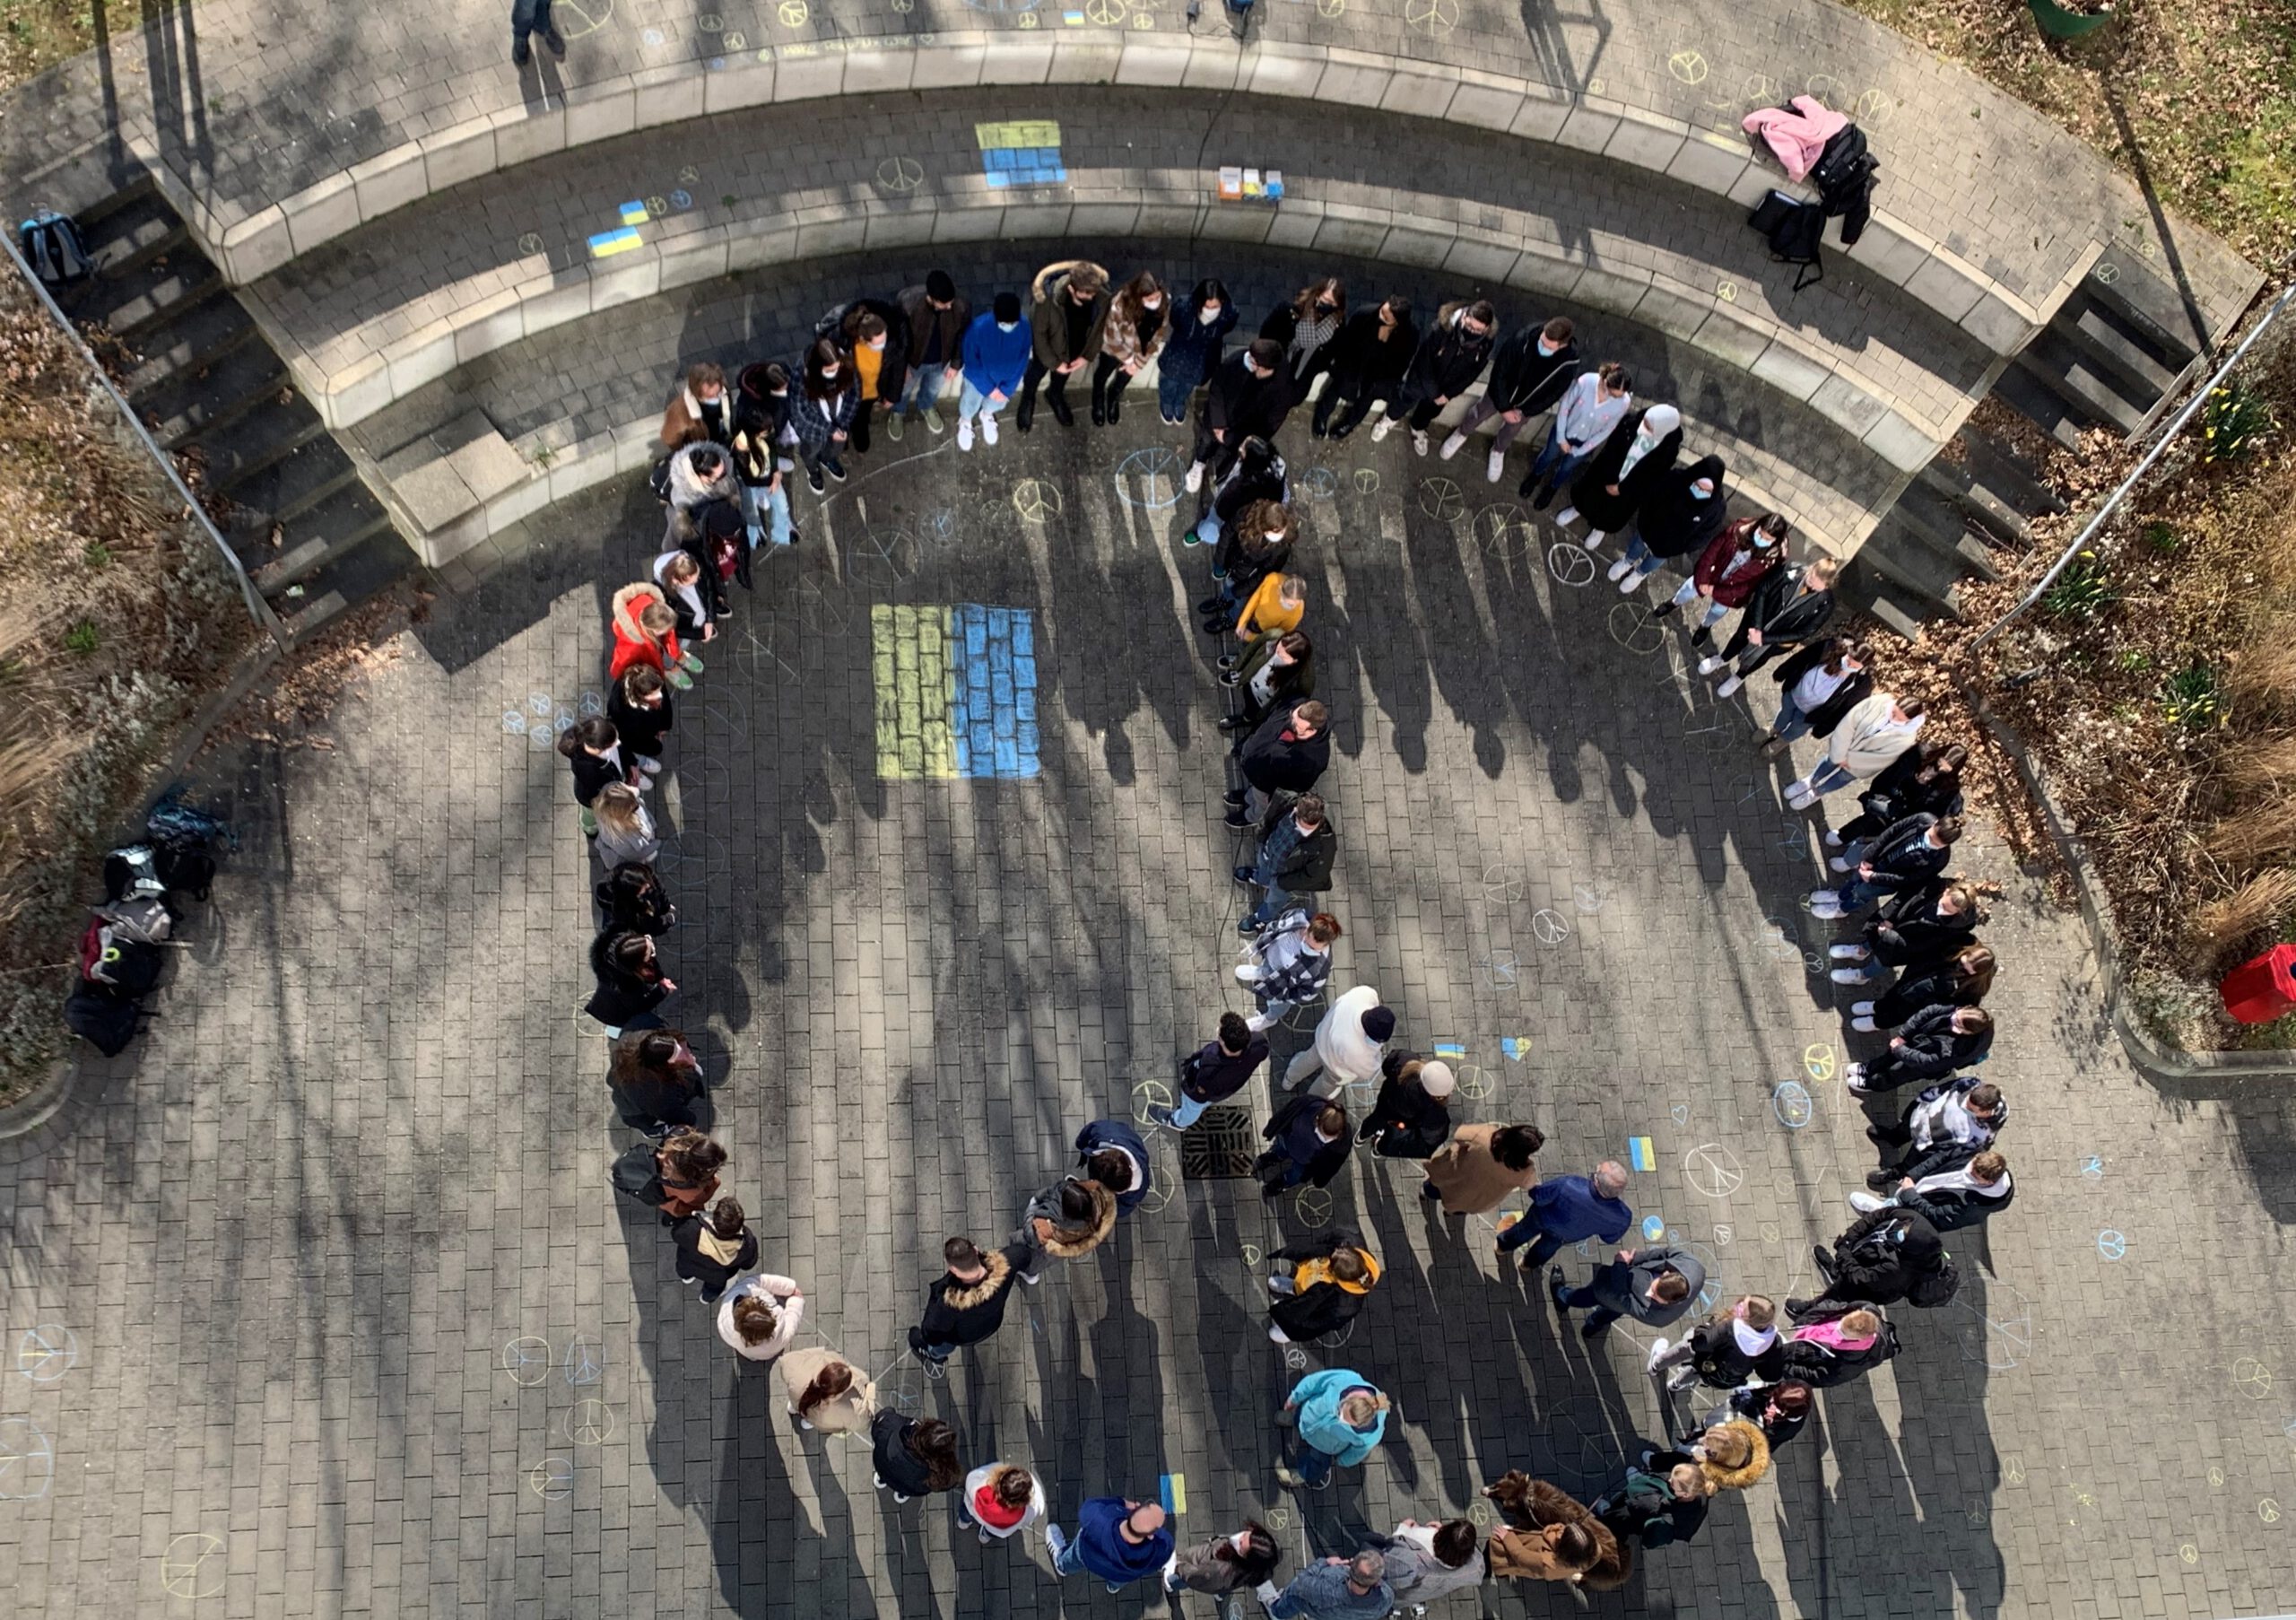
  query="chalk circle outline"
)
[
  {"x": 2251, "y": 1377},
  {"x": 1688, "y": 66},
  {"x": 1294, "y": 1358},
  {"x": 590, "y": 1423},
  {"x": 1280, "y": 1518},
  {"x": 1151, "y": 463},
  {"x": 589, "y": 24},
  {"x": 1479, "y": 1513},
  {"x": 530, "y": 243},
  {"x": 1337, "y": 1338},
  {"x": 689, "y": 175},
  {"x": 1253, "y": 1256},
  {"x": 2112, "y": 1244},
  {"x": 1304, "y": 1017},
  {"x": 1431, "y": 17},
  {"x": 2012, "y": 1467},
  {"x": 47, "y": 1351},
  {"x": 1320, "y": 482},
  {"x": 540, "y": 703},
  {"x": 900, "y": 173},
  {"x": 1643, "y": 635},
  {"x": 710, "y": 22},
  {"x": 1148, "y": 1094},
  {"x": 1503, "y": 884},
  {"x": 1875, "y": 106},
  {"x": 1549, "y": 926},
  {"x": 538, "y": 738},
  {"x": 585, "y": 1361},
  {"x": 1818, "y": 1061},
  {"x": 1330, "y": 8},
  {"x": 591, "y": 702},
  {"x": 1588, "y": 898},
  {"x": 1724, "y": 1234},
  {"x": 1792, "y": 1105},
  {"x": 23, "y": 1441},
  {"x": 2105, "y": 271},
  {"x": 935, "y": 1372},
  {"x": 2268, "y": 1510},
  {"x": 1106, "y": 13},
  {"x": 1036, "y": 500},
  {"x": 519, "y": 1358},
  {"x": 180, "y": 1565},
  {"x": 514, "y": 722},
  {"x": 1502, "y": 529},
  {"x": 1366, "y": 479},
  {"x": 1780, "y": 944},
  {"x": 1565, "y": 558},
  {"x": 793, "y": 14},
  {"x": 1824, "y": 86},
  {"x": 552, "y": 1478},
  {"x": 1442, "y": 500},
  {"x": 1713, "y": 1171},
  {"x": 1312, "y": 1206},
  {"x": 1474, "y": 1080},
  {"x": 1163, "y": 1175},
  {"x": 2188, "y": 1553}
]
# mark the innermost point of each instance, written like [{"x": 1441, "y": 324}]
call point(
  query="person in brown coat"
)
[
  {"x": 701, "y": 410},
  {"x": 1551, "y": 1536},
  {"x": 826, "y": 1392},
  {"x": 1480, "y": 1164}
]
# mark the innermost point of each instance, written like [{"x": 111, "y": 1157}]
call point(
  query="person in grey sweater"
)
[
  {"x": 1654, "y": 1284},
  {"x": 1430, "y": 1560}
]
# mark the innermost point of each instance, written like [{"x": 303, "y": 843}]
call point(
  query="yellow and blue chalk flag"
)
[
  {"x": 1638, "y": 1153},
  {"x": 1021, "y": 152},
  {"x": 956, "y": 691}
]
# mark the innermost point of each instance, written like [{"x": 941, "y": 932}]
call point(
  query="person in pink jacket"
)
[{"x": 1732, "y": 564}]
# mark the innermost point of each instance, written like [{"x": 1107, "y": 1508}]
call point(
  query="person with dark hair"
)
[
  {"x": 1726, "y": 1350},
  {"x": 1337, "y": 1588},
  {"x": 1288, "y": 964},
  {"x": 1916, "y": 928},
  {"x": 1778, "y": 1410},
  {"x": 1655, "y": 1285},
  {"x": 715, "y": 1248},
  {"x": 1338, "y": 1418},
  {"x": 1926, "y": 776},
  {"x": 1257, "y": 474},
  {"x": 1305, "y": 325},
  {"x": 872, "y": 334},
  {"x": 1907, "y": 854},
  {"x": 1319, "y": 1282},
  {"x": 1134, "y": 336},
  {"x": 532, "y": 17},
  {"x": 1117, "y": 1539},
  {"x": 934, "y": 317},
  {"x": 1592, "y": 407},
  {"x": 1948, "y": 1125},
  {"x": 1789, "y": 607},
  {"x": 1551, "y": 1536},
  {"x": 1656, "y": 1506},
  {"x": 1736, "y": 561},
  {"x": 823, "y": 416},
  {"x": 594, "y": 748},
  {"x": 639, "y": 708},
  {"x": 1215, "y": 1072},
  {"x": 1274, "y": 672},
  {"x": 1964, "y": 979},
  {"x": 913, "y": 1456},
  {"x": 1679, "y": 517},
  {"x": 1410, "y": 1118},
  {"x": 1067, "y": 1221},
  {"x": 1816, "y": 687},
  {"x": 1480, "y": 1165},
  {"x": 1000, "y": 1500},
  {"x": 656, "y": 1081},
  {"x": 1253, "y": 549},
  {"x": 700, "y": 411},
  {"x": 695, "y": 476},
  {"x": 1112, "y": 1154},
  {"x": 1425, "y": 1562},
  {"x": 632, "y": 897},
  {"x": 762, "y": 438},
  {"x": 1873, "y": 734},
  {"x": 826, "y": 1392},
  {"x": 1450, "y": 357},
  {"x": 1626, "y": 470},
  {"x": 1366, "y": 364},
  {"x": 631, "y": 981},
  {"x": 1309, "y": 1143},
  {"x": 1068, "y": 323},
  {"x": 1287, "y": 754},
  {"x": 684, "y": 1175},
  {"x": 1226, "y": 1563},
  {"x": 996, "y": 350},
  {"x": 1890, "y": 1254},
  {"x": 1200, "y": 325},
  {"x": 759, "y": 1315},
  {"x": 1297, "y": 845},
  {"x": 1250, "y": 396},
  {"x": 1529, "y": 374},
  {"x": 1570, "y": 1209},
  {"x": 966, "y": 1304}
]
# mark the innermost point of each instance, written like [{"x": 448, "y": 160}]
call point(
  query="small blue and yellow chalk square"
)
[
  {"x": 956, "y": 691},
  {"x": 1638, "y": 1153}
]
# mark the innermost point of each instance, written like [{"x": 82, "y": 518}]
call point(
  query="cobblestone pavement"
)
[{"x": 318, "y": 1303}]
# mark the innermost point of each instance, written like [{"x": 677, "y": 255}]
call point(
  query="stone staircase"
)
[{"x": 212, "y": 391}]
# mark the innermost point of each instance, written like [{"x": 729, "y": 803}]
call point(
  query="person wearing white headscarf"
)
[{"x": 1629, "y": 469}]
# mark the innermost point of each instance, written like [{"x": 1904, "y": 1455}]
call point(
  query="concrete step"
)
[
  {"x": 239, "y": 451},
  {"x": 291, "y": 483},
  {"x": 128, "y": 306},
  {"x": 1957, "y": 483},
  {"x": 344, "y": 520},
  {"x": 2039, "y": 404},
  {"x": 213, "y": 396},
  {"x": 356, "y": 575},
  {"x": 1923, "y": 574},
  {"x": 2008, "y": 474},
  {"x": 2113, "y": 348},
  {"x": 192, "y": 338},
  {"x": 1868, "y": 590},
  {"x": 1940, "y": 524},
  {"x": 2125, "y": 283},
  {"x": 2094, "y": 396},
  {"x": 125, "y": 239}
]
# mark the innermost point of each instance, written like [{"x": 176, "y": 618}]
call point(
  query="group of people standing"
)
[{"x": 727, "y": 450}]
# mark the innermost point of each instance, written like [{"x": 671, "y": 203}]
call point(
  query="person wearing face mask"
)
[
  {"x": 996, "y": 350},
  {"x": 1366, "y": 362},
  {"x": 1732, "y": 564},
  {"x": 1448, "y": 361},
  {"x": 1624, "y": 473},
  {"x": 821, "y": 418},
  {"x": 1787, "y": 610},
  {"x": 1135, "y": 335},
  {"x": 1200, "y": 325},
  {"x": 1069, "y": 323},
  {"x": 1871, "y": 735},
  {"x": 1529, "y": 373},
  {"x": 868, "y": 332},
  {"x": 1816, "y": 687},
  {"x": 701, "y": 410},
  {"x": 1306, "y": 327},
  {"x": 1250, "y": 396},
  {"x": 1593, "y": 405},
  {"x": 1681, "y": 516},
  {"x": 762, "y": 438},
  {"x": 1259, "y": 473},
  {"x": 933, "y": 318}
]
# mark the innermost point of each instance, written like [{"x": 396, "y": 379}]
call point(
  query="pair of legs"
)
[
  {"x": 1544, "y": 1244},
  {"x": 1209, "y": 454},
  {"x": 532, "y": 17},
  {"x": 1330, "y": 421},
  {"x": 767, "y": 510},
  {"x": 1550, "y": 469},
  {"x": 824, "y": 460},
  {"x": 1055, "y": 385},
  {"x": 921, "y": 395},
  {"x": 1174, "y": 389},
  {"x": 1827, "y": 778},
  {"x": 1110, "y": 380},
  {"x": 972, "y": 405},
  {"x": 1501, "y": 441},
  {"x": 1599, "y": 1318}
]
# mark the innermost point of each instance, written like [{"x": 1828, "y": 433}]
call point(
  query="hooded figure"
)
[
  {"x": 1080, "y": 1213},
  {"x": 1881, "y": 1259},
  {"x": 1627, "y": 471},
  {"x": 1684, "y": 508},
  {"x": 633, "y": 643},
  {"x": 1319, "y": 1291}
]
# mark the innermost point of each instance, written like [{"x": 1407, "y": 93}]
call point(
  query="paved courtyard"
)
[{"x": 318, "y": 1304}]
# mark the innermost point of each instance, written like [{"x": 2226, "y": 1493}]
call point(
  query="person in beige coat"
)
[
  {"x": 1480, "y": 1164},
  {"x": 826, "y": 1392},
  {"x": 1138, "y": 325},
  {"x": 1874, "y": 732}
]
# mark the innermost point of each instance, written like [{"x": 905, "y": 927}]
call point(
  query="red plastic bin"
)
[{"x": 2261, "y": 989}]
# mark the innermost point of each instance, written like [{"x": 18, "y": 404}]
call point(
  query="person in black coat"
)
[
  {"x": 913, "y": 1456},
  {"x": 642, "y": 714},
  {"x": 1275, "y": 673},
  {"x": 1366, "y": 362},
  {"x": 1918, "y": 927},
  {"x": 1726, "y": 1350},
  {"x": 1679, "y": 517},
  {"x": 594, "y": 748},
  {"x": 1310, "y": 1144},
  {"x": 1215, "y": 1072},
  {"x": 1528, "y": 373},
  {"x": 1953, "y": 1196},
  {"x": 1935, "y": 1042},
  {"x": 1880, "y": 1258},
  {"x": 715, "y": 1248},
  {"x": 1964, "y": 979},
  {"x": 1325, "y": 1305},
  {"x": 1817, "y": 686},
  {"x": 1779, "y": 1410},
  {"x": 1908, "y": 854},
  {"x": 1257, "y": 474},
  {"x": 632, "y": 897},
  {"x": 1624, "y": 472},
  {"x": 631, "y": 981},
  {"x": 1926, "y": 776},
  {"x": 1289, "y": 753},
  {"x": 657, "y": 1081},
  {"x": 848, "y": 327},
  {"x": 1250, "y": 396},
  {"x": 1411, "y": 1117},
  {"x": 1451, "y": 354},
  {"x": 1788, "y": 608},
  {"x": 967, "y": 1301},
  {"x": 1297, "y": 847},
  {"x": 1661, "y": 1503},
  {"x": 1823, "y": 1366},
  {"x": 1255, "y": 543}
]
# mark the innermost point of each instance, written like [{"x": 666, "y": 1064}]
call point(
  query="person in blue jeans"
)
[
  {"x": 532, "y": 17},
  {"x": 1215, "y": 1072},
  {"x": 1117, "y": 1539},
  {"x": 1296, "y": 849},
  {"x": 1339, "y": 1417},
  {"x": 1909, "y": 853},
  {"x": 996, "y": 357},
  {"x": 1570, "y": 1209}
]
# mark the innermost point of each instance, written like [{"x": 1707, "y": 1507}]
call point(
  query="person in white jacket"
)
[
  {"x": 1430, "y": 1560},
  {"x": 759, "y": 1315},
  {"x": 699, "y": 473},
  {"x": 1349, "y": 1044},
  {"x": 1878, "y": 729}
]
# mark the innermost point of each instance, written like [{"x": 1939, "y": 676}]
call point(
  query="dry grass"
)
[{"x": 2227, "y": 930}]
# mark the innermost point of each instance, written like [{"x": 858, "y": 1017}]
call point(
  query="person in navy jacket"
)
[
  {"x": 1117, "y": 1158},
  {"x": 1569, "y": 1209}
]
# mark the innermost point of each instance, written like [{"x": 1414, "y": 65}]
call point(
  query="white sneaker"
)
[
  {"x": 1595, "y": 538},
  {"x": 1846, "y": 976},
  {"x": 1248, "y": 975},
  {"x": 1833, "y": 840},
  {"x": 964, "y": 433},
  {"x": 1729, "y": 688},
  {"x": 1707, "y": 666},
  {"x": 1567, "y": 516},
  {"x": 1633, "y": 582},
  {"x": 1864, "y": 1027},
  {"x": 1658, "y": 1348},
  {"x": 1497, "y": 465},
  {"x": 1277, "y": 1335},
  {"x": 1451, "y": 445},
  {"x": 1194, "y": 479},
  {"x": 1620, "y": 570},
  {"x": 1823, "y": 904},
  {"x": 987, "y": 428},
  {"x": 1862, "y": 1009},
  {"x": 1864, "y": 1203},
  {"x": 1382, "y": 428},
  {"x": 1839, "y": 863},
  {"x": 1850, "y": 953},
  {"x": 1419, "y": 440}
]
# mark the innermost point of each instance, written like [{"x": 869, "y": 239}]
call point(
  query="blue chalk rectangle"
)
[
  {"x": 1448, "y": 1049},
  {"x": 1024, "y": 638},
  {"x": 993, "y": 699},
  {"x": 1638, "y": 1153},
  {"x": 607, "y": 243}
]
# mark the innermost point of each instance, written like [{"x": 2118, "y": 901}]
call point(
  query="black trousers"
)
[
  {"x": 1217, "y": 457},
  {"x": 1424, "y": 412},
  {"x": 1053, "y": 383},
  {"x": 1110, "y": 380},
  {"x": 1361, "y": 397}
]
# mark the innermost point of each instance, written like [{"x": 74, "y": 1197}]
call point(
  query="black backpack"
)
[
  {"x": 1936, "y": 1287},
  {"x": 634, "y": 1174},
  {"x": 52, "y": 246},
  {"x": 102, "y": 1016},
  {"x": 1792, "y": 228}
]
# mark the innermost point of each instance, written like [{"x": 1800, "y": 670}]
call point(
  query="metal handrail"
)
[{"x": 259, "y": 610}]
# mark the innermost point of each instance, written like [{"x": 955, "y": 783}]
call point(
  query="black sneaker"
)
[
  {"x": 1662, "y": 609},
  {"x": 1235, "y": 798},
  {"x": 1235, "y": 818},
  {"x": 813, "y": 479},
  {"x": 521, "y": 52},
  {"x": 1022, "y": 421},
  {"x": 1210, "y": 605},
  {"x": 836, "y": 467},
  {"x": 556, "y": 42},
  {"x": 1339, "y": 433},
  {"x": 1701, "y": 636}
]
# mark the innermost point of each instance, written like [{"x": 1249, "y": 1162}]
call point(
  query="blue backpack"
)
[{"x": 52, "y": 246}]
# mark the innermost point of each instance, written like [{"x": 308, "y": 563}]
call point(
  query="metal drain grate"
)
[{"x": 1219, "y": 1145}]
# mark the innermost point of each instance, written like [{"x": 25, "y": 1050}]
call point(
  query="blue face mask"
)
[
  {"x": 1546, "y": 347},
  {"x": 1762, "y": 542},
  {"x": 1701, "y": 493}
]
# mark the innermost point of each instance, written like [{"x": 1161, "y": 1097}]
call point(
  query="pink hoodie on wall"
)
[{"x": 1799, "y": 137}]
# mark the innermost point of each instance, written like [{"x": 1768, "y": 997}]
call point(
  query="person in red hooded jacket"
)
[
  {"x": 646, "y": 632},
  {"x": 1733, "y": 563}
]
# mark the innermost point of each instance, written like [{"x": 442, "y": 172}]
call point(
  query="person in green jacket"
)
[{"x": 1339, "y": 1416}]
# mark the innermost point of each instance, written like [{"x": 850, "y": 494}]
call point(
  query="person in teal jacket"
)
[{"x": 1340, "y": 1415}]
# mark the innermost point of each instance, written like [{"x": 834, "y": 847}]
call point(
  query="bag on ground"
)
[
  {"x": 132, "y": 872},
  {"x": 1792, "y": 228},
  {"x": 102, "y": 1016},
  {"x": 633, "y": 1171},
  {"x": 52, "y": 246}
]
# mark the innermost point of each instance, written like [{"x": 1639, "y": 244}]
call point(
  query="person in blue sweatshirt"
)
[
  {"x": 1569, "y": 1209},
  {"x": 1117, "y": 1158},
  {"x": 995, "y": 354},
  {"x": 1117, "y": 1539}
]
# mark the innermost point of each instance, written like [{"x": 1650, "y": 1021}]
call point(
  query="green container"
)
[{"x": 2061, "y": 24}]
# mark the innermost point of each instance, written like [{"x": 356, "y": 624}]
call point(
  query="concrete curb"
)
[{"x": 45, "y": 1100}]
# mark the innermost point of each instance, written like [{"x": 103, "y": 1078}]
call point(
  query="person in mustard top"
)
[
  {"x": 1319, "y": 1283},
  {"x": 1274, "y": 608}
]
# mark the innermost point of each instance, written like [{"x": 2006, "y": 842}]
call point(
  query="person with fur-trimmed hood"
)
[
  {"x": 1067, "y": 1221},
  {"x": 646, "y": 632},
  {"x": 701, "y": 410},
  {"x": 1551, "y": 1536},
  {"x": 1319, "y": 1282},
  {"x": 967, "y": 1300},
  {"x": 1732, "y": 1454}
]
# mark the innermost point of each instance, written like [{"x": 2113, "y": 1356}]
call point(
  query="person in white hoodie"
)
[
  {"x": 1874, "y": 733},
  {"x": 1582, "y": 423},
  {"x": 700, "y": 471},
  {"x": 1349, "y": 1044},
  {"x": 759, "y": 1316},
  {"x": 1725, "y": 1351}
]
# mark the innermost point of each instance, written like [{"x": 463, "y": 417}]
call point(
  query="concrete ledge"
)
[{"x": 1476, "y": 100}]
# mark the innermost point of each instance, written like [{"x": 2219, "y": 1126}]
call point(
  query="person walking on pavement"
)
[
  {"x": 1529, "y": 374},
  {"x": 1350, "y": 1043},
  {"x": 1297, "y": 847},
  {"x": 1117, "y": 1539},
  {"x": 966, "y": 1304},
  {"x": 1337, "y": 1588},
  {"x": 1226, "y": 1563},
  {"x": 826, "y": 1392},
  {"x": 656, "y": 1081},
  {"x": 1425, "y": 1562},
  {"x": 913, "y": 1456},
  {"x": 1310, "y": 1145},
  {"x": 714, "y": 1249},
  {"x": 1000, "y": 1500},
  {"x": 759, "y": 1315},
  {"x": 1319, "y": 1283},
  {"x": 1881, "y": 1259},
  {"x": 1724, "y": 1350},
  {"x": 1909, "y": 853},
  {"x": 528, "y": 17},
  {"x": 1838, "y": 1344},
  {"x": 1338, "y": 1418},
  {"x": 997, "y": 351},
  {"x": 1450, "y": 356},
  {"x": 1067, "y": 1221},
  {"x": 1289, "y": 753},
  {"x": 1480, "y": 1165},
  {"x": 1113, "y": 1154},
  {"x": 1655, "y": 1285},
  {"x": 1215, "y": 1071},
  {"x": 1551, "y": 1536},
  {"x": 1288, "y": 964},
  {"x": 1571, "y": 1209},
  {"x": 1410, "y": 1118},
  {"x": 1069, "y": 322}
]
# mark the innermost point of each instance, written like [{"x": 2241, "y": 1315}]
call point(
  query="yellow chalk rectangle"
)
[
  {"x": 1024, "y": 132},
  {"x": 914, "y": 687}
]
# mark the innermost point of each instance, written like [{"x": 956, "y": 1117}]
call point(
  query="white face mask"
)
[
  {"x": 1008, "y": 326},
  {"x": 1208, "y": 313},
  {"x": 1156, "y": 302},
  {"x": 877, "y": 344}
]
